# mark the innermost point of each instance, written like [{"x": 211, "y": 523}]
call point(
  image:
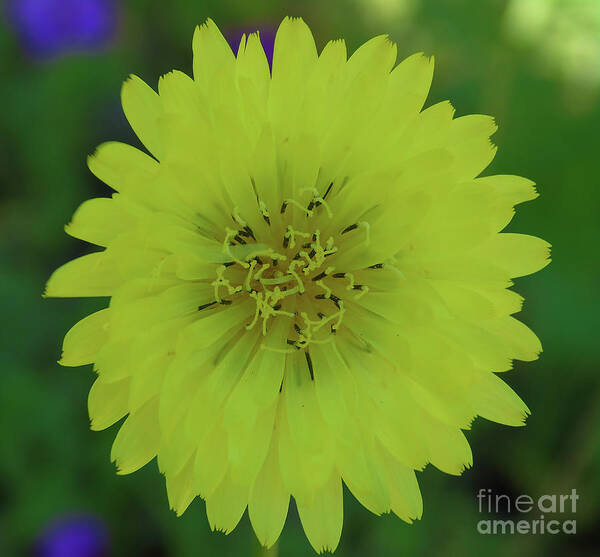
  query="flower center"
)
[{"x": 292, "y": 279}]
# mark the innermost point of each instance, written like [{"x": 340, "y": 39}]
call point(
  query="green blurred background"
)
[{"x": 533, "y": 64}]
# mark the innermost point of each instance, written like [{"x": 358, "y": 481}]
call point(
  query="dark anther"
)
[
  {"x": 204, "y": 306},
  {"x": 314, "y": 237},
  {"x": 228, "y": 263},
  {"x": 310, "y": 365},
  {"x": 376, "y": 266},
  {"x": 250, "y": 232},
  {"x": 275, "y": 262},
  {"x": 307, "y": 245},
  {"x": 286, "y": 242},
  {"x": 357, "y": 287},
  {"x": 333, "y": 330},
  {"x": 328, "y": 190},
  {"x": 320, "y": 315},
  {"x": 350, "y": 228},
  {"x": 239, "y": 239},
  {"x": 320, "y": 296},
  {"x": 283, "y": 288},
  {"x": 319, "y": 276},
  {"x": 311, "y": 205},
  {"x": 312, "y": 253},
  {"x": 339, "y": 275},
  {"x": 283, "y": 207},
  {"x": 335, "y": 300},
  {"x": 244, "y": 233},
  {"x": 329, "y": 254},
  {"x": 267, "y": 220},
  {"x": 293, "y": 343},
  {"x": 297, "y": 328},
  {"x": 281, "y": 386},
  {"x": 258, "y": 260},
  {"x": 277, "y": 307},
  {"x": 297, "y": 256},
  {"x": 225, "y": 302}
]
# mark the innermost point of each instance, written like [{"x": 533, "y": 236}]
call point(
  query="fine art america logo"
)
[{"x": 548, "y": 514}]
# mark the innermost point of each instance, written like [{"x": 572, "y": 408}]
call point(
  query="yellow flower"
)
[{"x": 307, "y": 282}]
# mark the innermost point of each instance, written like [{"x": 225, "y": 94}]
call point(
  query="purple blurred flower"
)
[
  {"x": 73, "y": 536},
  {"x": 49, "y": 27},
  {"x": 267, "y": 37}
]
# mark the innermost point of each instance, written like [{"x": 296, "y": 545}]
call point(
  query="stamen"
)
[
  {"x": 261, "y": 271},
  {"x": 278, "y": 350},
  {"x": 363, "y": 290},
  {"x": 298, "y": 279},
  {"x": 258, "y": 296},
  {"x": 335, "y": 300},
  {"x": 277, "y": 280},
  {"x": 324, "y": 287},
  {"x": 204, "y": 306},
  {"x": 291, "y": 201},
  {"x": 349, "y": 228},
  {"x": 249, "y": 275},
  {"x": 229, "y": 234},
  {"x": 264, "y": 212},
  {"x": 316, "y": 202},
  {"x": 376, "y": 266},
  {"x": 237, "y": 218}
]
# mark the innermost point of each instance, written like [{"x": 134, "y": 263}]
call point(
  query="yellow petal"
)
[
  {"x": 226, "y": 505},
  {"x": 495, "y": 400},
  {"x": 138, "y": 439},
  {"x": 98, "y": 221},
  {"x": 211, "y": 53},
  {"x": 269, "y": 499},
  {"x": 85, "y": 338},
  {"x": 518, "y": 254},
  {"x": 322, "y": 518},
  {"x": 142, "y": 108},
  {"x": 405, "y": 495},
  {"x": 180, "y": 488},
  {"x": 107, "y": 403},
  {"x": 88, "y": 275},
  {"x": 123, "y": 167},
  {"x": 212, "y": 461},
  {"x": 294, "y": 58}
]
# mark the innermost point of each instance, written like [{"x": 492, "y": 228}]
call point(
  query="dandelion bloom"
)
[{"x": 307, "y": 282}]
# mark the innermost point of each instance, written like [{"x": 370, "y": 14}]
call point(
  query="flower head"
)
[{"x": 307, "y": 282}]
